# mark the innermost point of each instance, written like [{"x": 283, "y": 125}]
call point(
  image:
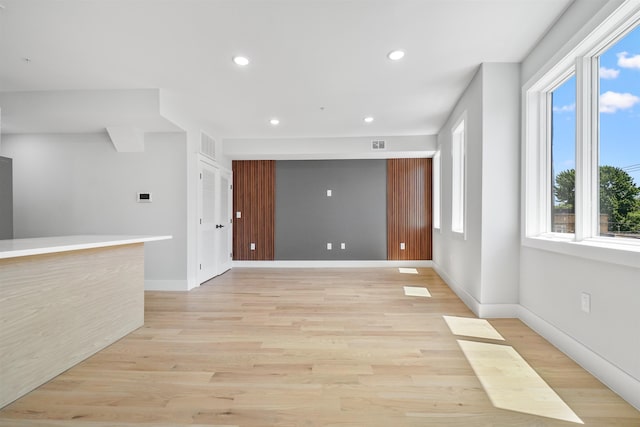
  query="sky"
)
[{"x": 619, "y": 111}]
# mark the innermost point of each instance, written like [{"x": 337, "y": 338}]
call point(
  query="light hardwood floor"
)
[{"x": 304, "y": 347}]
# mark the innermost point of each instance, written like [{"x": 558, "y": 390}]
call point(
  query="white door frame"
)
[
  {"x": 215, "y": 235},
  {"x": 226, "y": 233}
]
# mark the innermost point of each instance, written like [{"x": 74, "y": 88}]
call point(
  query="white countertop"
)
[{"x": 45, "y": 245}]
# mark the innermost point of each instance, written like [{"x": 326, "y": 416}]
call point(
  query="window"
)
[
  {"x": 458, "y": 178},
  {"x": 563, "y": 156},
  {"x": 436, "y": 190},
  {"x": 581, "y": 163},
  {"x": 619, "y": 154}
]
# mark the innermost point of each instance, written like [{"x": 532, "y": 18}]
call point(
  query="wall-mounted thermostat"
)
[{"x": 144, "y": 198}]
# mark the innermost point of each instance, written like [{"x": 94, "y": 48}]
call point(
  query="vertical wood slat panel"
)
[
  {"x": 254, "y": 197},
  {"x": 409, "y": 206}
]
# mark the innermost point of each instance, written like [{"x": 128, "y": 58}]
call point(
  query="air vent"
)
[
  {"x": 207, "y": 145},
  {"x": 377, "y": 145}
]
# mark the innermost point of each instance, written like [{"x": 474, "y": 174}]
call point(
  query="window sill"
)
[
  {"x": 621, "y": 252},
  {"x": 459, "y": 235}
]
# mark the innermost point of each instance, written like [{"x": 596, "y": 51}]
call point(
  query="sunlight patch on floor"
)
[
  {"x": 470, "y": 327},
  {"x": 414, "y": 291},
  {"x": 512, "y": 384},
  {"x": 407, "y": 270}
]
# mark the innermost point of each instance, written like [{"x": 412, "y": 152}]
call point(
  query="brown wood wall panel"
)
[
  {"x": 254, "y": 197},
  {"x": 409, "y": 209}
]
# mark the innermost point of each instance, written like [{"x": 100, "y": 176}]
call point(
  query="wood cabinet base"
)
[{"x": 58, "y": 309}]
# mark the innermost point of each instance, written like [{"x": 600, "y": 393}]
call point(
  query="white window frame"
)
[
  {"x": 536, "y": 162},
  {"x": 459, "y": 176},
  {"x": 437, "y": 191}
]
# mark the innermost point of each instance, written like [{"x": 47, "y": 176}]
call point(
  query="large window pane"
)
[
  {"x": 619, "y": 110},
  {"x": 458, "y": 179},
  {"x": 436, "y": 190},
  {"x": 563, "y": 156}
]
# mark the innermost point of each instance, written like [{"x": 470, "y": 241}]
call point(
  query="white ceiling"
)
[{"x": 305, "y": 54}]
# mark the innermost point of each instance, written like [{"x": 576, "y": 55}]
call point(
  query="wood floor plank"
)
[{"x": 304, "y": 347}]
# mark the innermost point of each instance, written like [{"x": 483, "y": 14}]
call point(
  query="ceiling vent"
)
[
  {"x": 378, "y": 145},
  {"x": 207, "y": 146}
]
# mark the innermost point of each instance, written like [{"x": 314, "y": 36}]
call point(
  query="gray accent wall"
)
[
  {"x": 6, "y": 199},
  {"x": 355, "y": 214}
]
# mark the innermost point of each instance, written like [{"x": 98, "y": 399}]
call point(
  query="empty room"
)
[{"x": 319, "y": 213}]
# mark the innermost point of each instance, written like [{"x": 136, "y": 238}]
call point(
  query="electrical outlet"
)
[
  {"x": 402, "y": 246},
  {"x": 343, "y": 246},
  {"x": 329, "y": 246},
  {"x": 238, "y": 214},
  {"x": 585, "y": 302},
  {"x": 252, "y": 246},
  {"x": 329, "y": 192}
]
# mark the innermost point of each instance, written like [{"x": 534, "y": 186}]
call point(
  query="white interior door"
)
[
  {"x": 225, "y": 234},
  {"x": 207, "y": 221}
]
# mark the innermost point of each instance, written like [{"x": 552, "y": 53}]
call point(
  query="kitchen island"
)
[{"x": 62, "y": 299}]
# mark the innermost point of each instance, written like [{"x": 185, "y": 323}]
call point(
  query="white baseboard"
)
[
  {"x": 483, "y": 311},
  {"x": 499, "y": 311},
  {"x": 613, "y": 377},
  {"x": 165, "y": 285},
  {"x": 465, "y": 296},
  {"x": 330, "y": 264}
]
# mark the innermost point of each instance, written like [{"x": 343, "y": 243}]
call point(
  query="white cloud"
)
[
  {"x": 626, "y": 61},
  {"x": 564, "y": 108},
  {"x": 610, "y": 102},
  {"x": 609, "y": 73}
]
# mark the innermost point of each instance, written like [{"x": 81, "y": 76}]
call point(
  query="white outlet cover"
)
[
  {"x": 585, "y": 302},
  {"x": 402, "y": 246},
  {"x": 253, "y": 246},
  {"x": 329, "y": 192},
  {"x": 343, "y": 246},
  {"x": 329, "y": 246},
  {"x": 238, "y": 214}
]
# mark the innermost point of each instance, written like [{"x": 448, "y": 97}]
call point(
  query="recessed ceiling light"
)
[
  {"x": 274, "y": 122},
  {"x": 368, "y": 119},
  {"x": 241, "y": 60},
  {"x": 396, "y": 55}
]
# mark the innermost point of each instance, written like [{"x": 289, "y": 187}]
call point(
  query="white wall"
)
[
  {"x": 78, "y": 184},
  {"x": 551, "y": 283},
  {"x": 500, "y": 183},
  {"x": 553, "y": 294},
  {"x": 483, "y": 268},
  {"x": 329, "y": 148},
  {"x": 456, "y": 259}
]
